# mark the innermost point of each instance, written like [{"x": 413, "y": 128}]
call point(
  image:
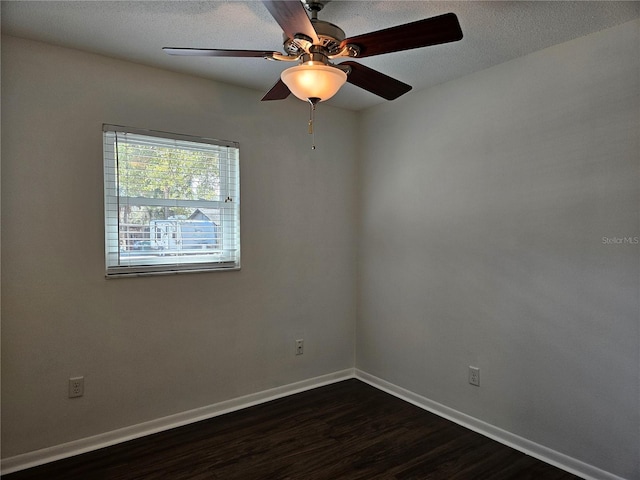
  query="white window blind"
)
[{"x": 172, "y": 202}]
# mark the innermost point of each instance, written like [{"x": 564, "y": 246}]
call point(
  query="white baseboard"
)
[
  {"x": 83, "y": 445},
  {"x": 77, "y": 447},
  {"x": 547, "y": 455}
]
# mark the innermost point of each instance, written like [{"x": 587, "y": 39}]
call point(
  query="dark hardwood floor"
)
[{"x": 347, "y": 430}]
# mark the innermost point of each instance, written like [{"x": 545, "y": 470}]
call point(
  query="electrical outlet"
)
[
  {"x": 76, "y": 387},
  {"x": 299, "y": 347},
  {"x": 474, "y": 376}
]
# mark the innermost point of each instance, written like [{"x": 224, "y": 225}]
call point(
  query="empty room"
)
[{"x": 320, "y": 240}]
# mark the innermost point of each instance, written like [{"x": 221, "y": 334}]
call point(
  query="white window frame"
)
[{"x": 226, "y": 257}]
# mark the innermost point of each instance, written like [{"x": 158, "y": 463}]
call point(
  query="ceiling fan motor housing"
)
[{"x": 330, "y": 36}]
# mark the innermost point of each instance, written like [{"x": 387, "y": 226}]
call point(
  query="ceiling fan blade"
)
[
  {"x": 279, "y": 91},
  {"x": 423, "y": 33},
  {"x": 292, "y": 18},
  {"x": 217, "y": 52},
  {"x": 375, "y": 82}
]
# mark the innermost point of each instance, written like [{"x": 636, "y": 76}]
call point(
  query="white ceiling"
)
[{"x": 494, "y": 32}]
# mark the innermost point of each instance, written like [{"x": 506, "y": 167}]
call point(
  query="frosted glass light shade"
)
[{"x": 313, "y": 81}]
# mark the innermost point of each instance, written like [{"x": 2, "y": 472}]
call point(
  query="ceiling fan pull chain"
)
[{"x": 312, "y": 110}]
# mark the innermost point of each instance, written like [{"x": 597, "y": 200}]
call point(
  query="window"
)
[{"x": 172, "y": 202}]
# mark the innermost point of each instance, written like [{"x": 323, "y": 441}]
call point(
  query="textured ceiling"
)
[{"x": 494, "y": 32}]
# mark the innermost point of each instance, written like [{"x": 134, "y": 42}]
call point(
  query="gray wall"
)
[
  {"x": 484, "y": 207},
  {"x": 151, "y": 347}
]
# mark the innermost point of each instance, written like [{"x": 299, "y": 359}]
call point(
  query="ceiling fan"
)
[{"x": 314, "y": 44}]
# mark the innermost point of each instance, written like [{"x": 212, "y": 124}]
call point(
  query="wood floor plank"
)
[{"x": 348, "y": 430}]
